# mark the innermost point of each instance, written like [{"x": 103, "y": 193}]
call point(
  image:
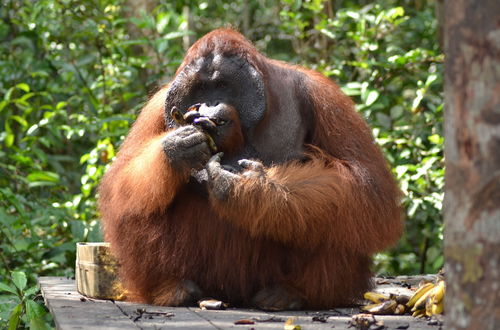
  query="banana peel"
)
[{"x": 387, "y": 307}]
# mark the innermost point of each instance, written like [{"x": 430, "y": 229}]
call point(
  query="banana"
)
[
  {"x": 437, "y": 308},
  {"x": 427, "y": 300},
  {"x": 439, "y": 291},
  {"x": 384, "y": 308},
  {"x": 418, "y": 314},
  {"x": 428, "y": 306},
  {"x": 375, "y": 297},
  {"x": 422, "y": 301},
  {"x": 180, "y": 119},
  {"x": 419, "y": 293}
]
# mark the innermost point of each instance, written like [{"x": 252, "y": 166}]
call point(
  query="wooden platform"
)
[{"x": 74, "y": 311}]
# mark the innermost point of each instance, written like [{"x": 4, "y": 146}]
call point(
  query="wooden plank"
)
[
  {"x": 74, "y": 311},
  {"x": 156, "y": 317}
]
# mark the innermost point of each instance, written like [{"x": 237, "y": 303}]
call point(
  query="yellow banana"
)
[
  {"x": 375, "y": 297},
  {"x": 428, "y": 306},
  {"x": 439, "y": 291},
  {"x": 437, "y": 308},
  {"x": 420, "y": 313},
  {"x": 419, "y": 293},
  {"x": 422, "y": 301}
]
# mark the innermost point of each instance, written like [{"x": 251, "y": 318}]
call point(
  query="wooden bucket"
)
[{"x": 96, "y": 272}]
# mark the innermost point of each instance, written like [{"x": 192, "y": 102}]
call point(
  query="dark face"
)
[
  {"x": 217, "y": 79},
  {"x": 269, "y": 110}
]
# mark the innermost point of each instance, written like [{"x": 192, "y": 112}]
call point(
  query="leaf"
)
[
  {"x": 77, "y": 230},
  {"x": 26, "y": 97},
  {"x": 15, "y": 317},
  {"x": 328, "y": 33},
  {"x": 396, "y": 111},
  {"x": 3, "y": 104},
  {"x": 162, "y": 19},
  {"x": 58, "y": 250},
  {"x": 9, "y": 140},
  {"x": 401, "y": 170},
  {"x": 352, "y": 88},
  {"x": 436, "y": 139},
  {"x": 416, "y": 101},
  {"x": 38, "y": 324},
  {"x": 372, "y": 97},
  {"x": 384, "y": 120},
  {"x": 84, "y": 158},
  {"x": 6, "y": 219},
  {"x": 61, "y": 105},
  {"x": 8, "y": 94},
  {"x": 31, "y": 291},
  {"x": 23, "y": 86},
  {"x": 32, "y": 129},
  {"x": 7, "y": 288},
  {"x": 41, "y": 184},
  {"x": 44, "y": 176},
  {"x": 20, "y": 120},
  {"x": 394, "y": 13},
  {"x": 430, "y": 79},
  {"x": 19, "y": 279},
  {"x": 174, "y": 35},
  {"x": 34, "y": 310}
]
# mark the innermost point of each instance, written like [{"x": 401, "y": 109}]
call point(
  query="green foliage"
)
[
  {"x": 17, "y": 305},
  {"x": 73, "y": 74}
]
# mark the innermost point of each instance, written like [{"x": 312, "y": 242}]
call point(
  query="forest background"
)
[{"x": 75, "y": 73}]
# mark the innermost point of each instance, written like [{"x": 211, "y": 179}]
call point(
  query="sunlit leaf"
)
[
  {"x": 372, "y": 97},
  {"x": 9, "y": 140},
  {"x": 174, "y": 35},
  {"x": 436, "y": 139},
  {"x": 162, "y": 21},
  {"x": 43, "y": 176},
  {"x": 431, "y": 79},
  {"x": 23, "y": 86},
  {"x": 61, "y": 105},
  {"x": 19, "y": 119}
]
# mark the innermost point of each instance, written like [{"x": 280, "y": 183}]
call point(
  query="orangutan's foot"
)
[
  {"x": 184, "y": 293},
  {"x": 277, "y": 298}
]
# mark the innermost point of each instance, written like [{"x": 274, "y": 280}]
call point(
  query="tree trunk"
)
[{"x": 472, "y": 132}]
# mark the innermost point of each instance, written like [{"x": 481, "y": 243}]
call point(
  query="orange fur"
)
[
  {"x": 310, "y": 204},
  {"x": 310, "y": 225}
]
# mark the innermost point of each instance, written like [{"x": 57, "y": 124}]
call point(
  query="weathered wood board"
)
[{"x": 74, "y": 311}]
